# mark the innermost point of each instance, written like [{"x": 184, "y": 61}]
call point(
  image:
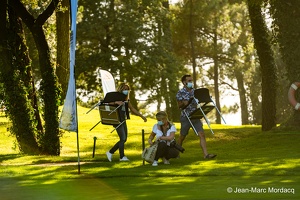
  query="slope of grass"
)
[{"x": 250, "y": 165}]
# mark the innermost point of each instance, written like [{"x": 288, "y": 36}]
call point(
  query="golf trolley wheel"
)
[{"x": 291, "y": 95}]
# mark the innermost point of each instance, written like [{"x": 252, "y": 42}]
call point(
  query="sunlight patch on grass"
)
[
  {"x": 246, "y": 157},
  {"x": 30, "y": 182},
  {"x": 288, "y": 181}
]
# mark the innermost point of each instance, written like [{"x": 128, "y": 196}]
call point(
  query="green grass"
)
[{"x": 247, "y": 159}]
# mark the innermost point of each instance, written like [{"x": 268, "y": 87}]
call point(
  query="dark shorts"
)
[{"x": 186, "y": 125}]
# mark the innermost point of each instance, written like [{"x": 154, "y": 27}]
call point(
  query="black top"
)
[
  {"x": 117, "y": 96},
  {"x": 114, "y": 96}
]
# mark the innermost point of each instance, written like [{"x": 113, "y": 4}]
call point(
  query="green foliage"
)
[
  {"x": 286, "y": 30},
  {"x": 49, "y": 90},
  {"x": 286, "y": 27},
  {"x": 267, "y": 65},
  {"x": 133, "y": 41},
  {"x": 20, "y": 96},
  {"x": 16, "y": 86},
  {"x": 224, "y": 51}
]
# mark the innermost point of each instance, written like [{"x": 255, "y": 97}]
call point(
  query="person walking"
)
[
  {"x": 122, "y": 129},
  {"x": 187, "y": 103}
]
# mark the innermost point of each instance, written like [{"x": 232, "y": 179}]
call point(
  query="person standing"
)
[
  {"x": 122, "y": 129},
  {"x": 164, "y": 132},
  {"x": 187, "y": 103}
]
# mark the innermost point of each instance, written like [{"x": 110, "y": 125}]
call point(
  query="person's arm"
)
[
  {"x": 117, "y": 103},
  {"x": 182, "y": 104},
  {"x": 168, "y": 138},
  {"x": 134, "y": 111},
  {"x": 151, "y": 137},
  {"x": 181, "y": 101}
]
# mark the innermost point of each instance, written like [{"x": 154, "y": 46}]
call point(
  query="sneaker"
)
[
  {"x": 208, "y": 156},
  {"x": 166, "y": 162},
  {"x": 124, "y": 159},
  {"x": 109, "y": 156},
  {"x": 154, "y": 163}
]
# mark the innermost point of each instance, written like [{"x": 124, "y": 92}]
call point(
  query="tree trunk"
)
[
  {"x": 50, "y": 94},
  {"x": 192, "y": 38},
  {"x": 267, "y": 65},
  {"x": 242, "y": 94},
  {"x": 14, "y": 63},
  {"x": 171, "y": 73},
  {"x": 286, "y": 16},
  {"x": 175, "y": 113},
  {"x": 255, "y": 98},
  {"x": 49, "y": 88},
  {"x": 216, "y": 72},
  {"x": 63, "y": 46}
]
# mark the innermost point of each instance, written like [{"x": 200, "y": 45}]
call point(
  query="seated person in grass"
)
[{"x": 164, "y": 132}]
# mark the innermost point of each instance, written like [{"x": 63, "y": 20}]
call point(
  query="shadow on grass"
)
[
  {"x": 144, "y": 182},
  {"x": 8, "y": 157},
  {"x": 248, "y": 166}
]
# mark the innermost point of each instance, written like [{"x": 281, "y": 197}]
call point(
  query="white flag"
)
[
  {"x": 108, "y": 82},
  {"x": 68, "y": 118}
]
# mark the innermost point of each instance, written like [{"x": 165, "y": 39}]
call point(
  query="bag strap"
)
[{"x": 161, "y": 128}]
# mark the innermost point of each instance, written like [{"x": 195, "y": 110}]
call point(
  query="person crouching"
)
[{"x": 164, "y": 132}]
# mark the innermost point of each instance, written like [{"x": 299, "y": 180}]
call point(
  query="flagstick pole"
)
[
  {"x": 77, "y": 134},
  {"x": 78, "y": 153},
  {"x": 73, "y": 17}
]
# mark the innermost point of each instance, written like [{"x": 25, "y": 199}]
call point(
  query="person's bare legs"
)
[
  {"x": 203, "y": 142},
  {"x": 203, "y": 145},
  {"x": 180, "y": 139}
]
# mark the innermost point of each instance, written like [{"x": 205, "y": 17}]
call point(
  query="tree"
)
[
  {"x": 63, "y": 45},
  {"x": 131, "y": 39},
  {"x": 267, "y": 64},
  {"x": 241, "y": 59},
  {"x": 15, "y": 76},
  {"x": 286, "y": 17},
  {"x": 49, "y": 89},
  {"x": 209, "y": 26}
]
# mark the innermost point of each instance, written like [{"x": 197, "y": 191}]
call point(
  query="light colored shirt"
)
[
  {"x": 185, "y": 95},
  {"x": 159, "y": 133}
]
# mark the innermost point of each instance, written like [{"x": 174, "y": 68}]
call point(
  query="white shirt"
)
[{"x": 159, "y": 133}]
